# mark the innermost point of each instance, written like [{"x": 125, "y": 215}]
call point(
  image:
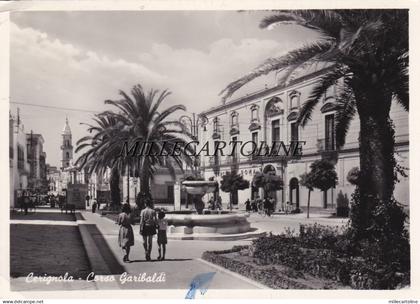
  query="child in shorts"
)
[{"x": 162, "y": 239}]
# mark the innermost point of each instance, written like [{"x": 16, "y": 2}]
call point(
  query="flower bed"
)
[
  {"x": 289, "y": 261},
  {"x": 269, "y": 276}
]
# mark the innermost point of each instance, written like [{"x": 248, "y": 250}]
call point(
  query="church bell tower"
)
[{"x": 66, "y": 146}]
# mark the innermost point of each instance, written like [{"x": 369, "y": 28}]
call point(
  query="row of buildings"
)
[
  {"x": 27, "y": 160},
  {"x": 269, "y": 115}
]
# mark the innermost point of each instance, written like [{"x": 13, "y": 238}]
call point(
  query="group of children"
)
[{"x": 151, "y": 222}]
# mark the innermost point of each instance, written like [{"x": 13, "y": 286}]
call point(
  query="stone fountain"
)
[{"x": 212, "y": 224}]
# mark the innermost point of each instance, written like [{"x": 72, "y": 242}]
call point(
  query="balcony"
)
[{"x": 327, "y": 149}]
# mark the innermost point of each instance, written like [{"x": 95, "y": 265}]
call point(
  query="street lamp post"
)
[{"x": 193, "y": 123}]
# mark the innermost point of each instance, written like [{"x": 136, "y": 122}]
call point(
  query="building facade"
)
[
  {"x": 19, "y": 169},
  {"x": 270, "y": 115},
  {"x": 37, "y": 162}
]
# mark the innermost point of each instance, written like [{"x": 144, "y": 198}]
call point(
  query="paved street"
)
[
  {"x": 180, "y": 266},
  {"x": 60, "y": 250}
]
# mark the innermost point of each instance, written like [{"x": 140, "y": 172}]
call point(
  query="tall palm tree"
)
[
  {"x": 367, "y": 51},
  {"x": 101, "y": 150},
  {"x": 145, "y": 122}
]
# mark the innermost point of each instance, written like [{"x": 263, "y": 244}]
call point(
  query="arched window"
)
[
  {"x": 274, "y": 107},
  {"x": 67, "y": 155},
  {"x": 294, "y": 100}
]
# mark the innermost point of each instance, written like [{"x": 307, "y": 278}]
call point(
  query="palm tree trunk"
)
[
  {"x": 114, "y": 185},
  {"x": 377, "y": 162},
  {"x": 145, "y": 182}
]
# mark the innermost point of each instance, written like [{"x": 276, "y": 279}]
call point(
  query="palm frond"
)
[
  {"x": 345, "y": 112},
  {"x": 318, "y": 92},
  {"x": 293, "y": 58}
]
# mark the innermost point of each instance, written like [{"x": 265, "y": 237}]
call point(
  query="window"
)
[
  {"x": 234, "y": 119},
  {"x": 275, "y": 130},
  {"x": 216, "y": 125},
  {"x": 294, "y": 130},
  {"x": 330, "y": 93},
  {"x": 254, "y": 113},
  {"x": 294, "y": 102},
  {"x": 329, "y": 132},
  {"x": 67, "y": 155}
]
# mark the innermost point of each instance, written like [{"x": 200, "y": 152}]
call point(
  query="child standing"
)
[{"x": 162, "y": 240}]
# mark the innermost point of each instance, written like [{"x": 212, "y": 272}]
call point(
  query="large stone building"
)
[
  {"x": 18, "y": 159},
  {"x": 270, "y": 115}
]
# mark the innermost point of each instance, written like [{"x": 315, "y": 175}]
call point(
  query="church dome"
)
[{"x": 66, "y": 130}]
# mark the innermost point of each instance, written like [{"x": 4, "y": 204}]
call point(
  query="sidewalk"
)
[{"x": 182, "y": 262}]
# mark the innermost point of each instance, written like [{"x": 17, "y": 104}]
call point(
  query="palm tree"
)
[
  {"x": 101, "y": 150},
  {"x": 145, "y": 122},
  {"x": 367, "y": 54}
]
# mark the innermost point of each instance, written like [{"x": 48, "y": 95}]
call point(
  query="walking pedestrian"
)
[
  {"x": 26, "y": 202},
  {"x": 148, "y": 227},
  {"x": 248, "y": 205},
  {"x": 162, "y": 240},
  {"x": 219, "y": 203},
  {"x": 94, "y": 205},
  {"x": 125, "y": 235},
  {"x": 266, "y": 206}
]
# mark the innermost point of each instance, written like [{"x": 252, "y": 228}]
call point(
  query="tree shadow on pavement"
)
[{"x": 113, "y": 263}]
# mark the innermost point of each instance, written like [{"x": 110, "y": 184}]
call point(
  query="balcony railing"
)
[
  {"x": 326, "y": 145},
  {"x": 327, "y": 149}
]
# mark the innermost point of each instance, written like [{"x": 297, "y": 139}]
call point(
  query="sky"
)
[{"x": 77, "y": 60}]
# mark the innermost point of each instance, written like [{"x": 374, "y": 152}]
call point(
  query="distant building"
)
[
  {"x": 53, "y": 177},
  {"x": 37, "y": 162},
  {"x": 162, "y": 187},
  {"x": 18, "y": 160}
]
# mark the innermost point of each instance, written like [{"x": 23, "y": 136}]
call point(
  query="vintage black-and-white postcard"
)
[{"x": 209, "y": 149}]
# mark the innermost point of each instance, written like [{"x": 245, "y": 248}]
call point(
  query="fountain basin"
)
[{"x": 207, "y": 223}]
